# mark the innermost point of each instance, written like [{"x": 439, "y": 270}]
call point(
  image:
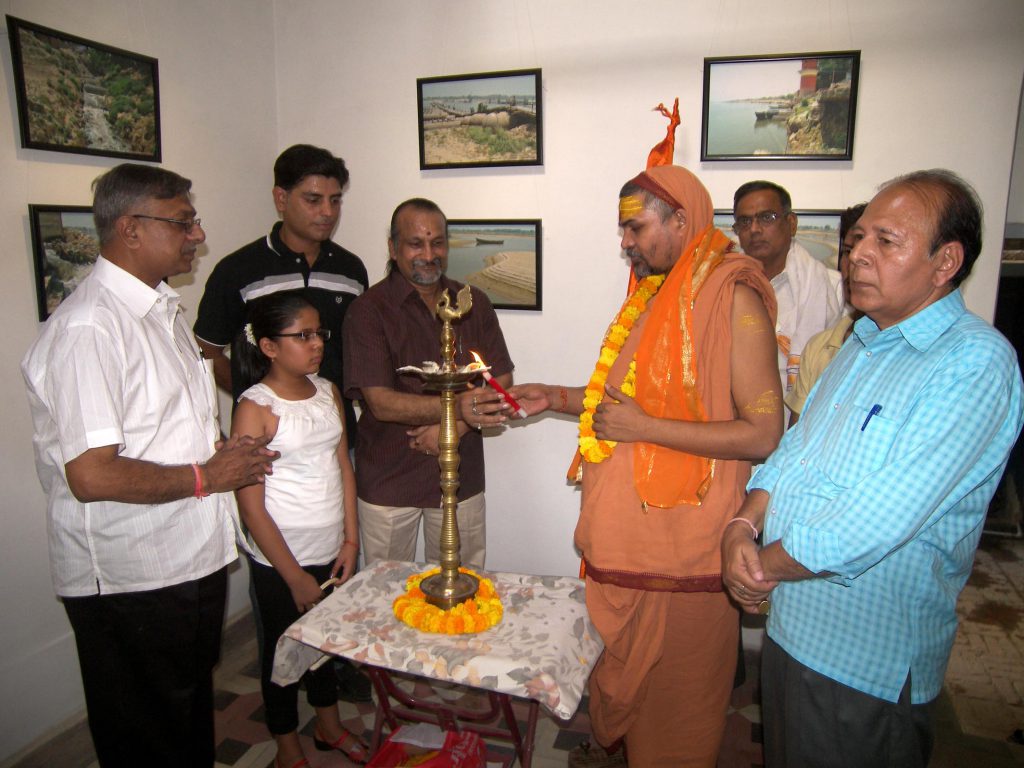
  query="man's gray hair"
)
[{"x": 125, "y": 188}]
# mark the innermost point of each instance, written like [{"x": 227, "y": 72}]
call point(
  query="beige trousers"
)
[{"x": 389, "y": 533}]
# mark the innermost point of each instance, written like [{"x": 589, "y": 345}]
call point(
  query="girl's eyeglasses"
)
[{"x": 323, "y": 333}]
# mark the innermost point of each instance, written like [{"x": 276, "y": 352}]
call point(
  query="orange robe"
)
[{"x": 641, "y": 561}]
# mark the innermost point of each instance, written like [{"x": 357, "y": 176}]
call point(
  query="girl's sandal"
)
[{"x": 353, "y": 747}]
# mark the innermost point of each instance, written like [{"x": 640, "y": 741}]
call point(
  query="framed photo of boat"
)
[
  {"x": 816, "y": 230},
  {"x": 76, "y": 95},
  {"x": 476, "y": 121},
  {"x": 501, "y": 257},
  {"x": 64, "y": 249},
  {"x": 796, "y": 106}
]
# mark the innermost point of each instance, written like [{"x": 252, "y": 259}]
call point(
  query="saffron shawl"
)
[
  {"x": 665, "y": 361},
  {"x": 666, "y": 381}
]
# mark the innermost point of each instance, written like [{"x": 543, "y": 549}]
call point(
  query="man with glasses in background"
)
[
  {"x": 138, "y": 487},
  {"x": 297, "y": 254},
  {"x": 809, "y": 295}
]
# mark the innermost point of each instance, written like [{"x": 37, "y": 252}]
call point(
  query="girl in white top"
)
[{"x": 301, "y": 524}]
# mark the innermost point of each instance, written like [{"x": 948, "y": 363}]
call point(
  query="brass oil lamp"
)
[{"x": 449, "y": 587}]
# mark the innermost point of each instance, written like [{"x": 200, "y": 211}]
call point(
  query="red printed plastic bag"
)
[{"x": 461, "y": 750}]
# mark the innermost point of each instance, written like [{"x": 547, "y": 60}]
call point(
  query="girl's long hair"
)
[{"x": 267, "y": 317}]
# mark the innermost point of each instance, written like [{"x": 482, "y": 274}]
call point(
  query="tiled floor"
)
[
  {"x": 984, "y": 688},
  {"x": 982, "y": 705}
]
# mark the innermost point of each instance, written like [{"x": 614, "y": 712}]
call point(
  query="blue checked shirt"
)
[{"x": 884, "y": 482}]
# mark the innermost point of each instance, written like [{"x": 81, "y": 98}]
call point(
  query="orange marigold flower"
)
[
  {"x": 594, "y": 450},
  {"x": 480, "y": 612}
]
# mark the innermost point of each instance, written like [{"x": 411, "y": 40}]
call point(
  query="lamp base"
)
[{"x": 446, "y": 593}]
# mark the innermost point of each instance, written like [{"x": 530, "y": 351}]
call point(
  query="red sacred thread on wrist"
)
[
  {"x": 199, "y": 492},
  {"x": 563, "y": 396}
]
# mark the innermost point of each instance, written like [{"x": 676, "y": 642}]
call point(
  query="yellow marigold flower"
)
[
  {"x": 592, "y": 449},
  {"x": 476, "y": 614}
]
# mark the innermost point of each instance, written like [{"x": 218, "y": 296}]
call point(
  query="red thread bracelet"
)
[{"x": 199, "y": 492}]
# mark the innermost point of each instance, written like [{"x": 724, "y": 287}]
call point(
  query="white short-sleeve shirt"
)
[{"x": 116, "y": 364}]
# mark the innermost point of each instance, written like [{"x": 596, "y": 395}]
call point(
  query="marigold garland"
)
[
  {"x": 593, "y": 449},
  {"x": 474, "y": 615}
]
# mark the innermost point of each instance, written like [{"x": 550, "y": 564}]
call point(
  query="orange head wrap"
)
[{"x": 680, "y": 189}]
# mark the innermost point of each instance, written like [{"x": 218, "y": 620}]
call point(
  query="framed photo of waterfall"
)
[
  {"x": 76, "y": 95},
  {"x": 794, "y": 106},
  {"x": 474, "y": 121},
  {"x": 501, "y": 257}
]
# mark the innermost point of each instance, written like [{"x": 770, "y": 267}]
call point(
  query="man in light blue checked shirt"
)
[{"x": 873, "y": 504}]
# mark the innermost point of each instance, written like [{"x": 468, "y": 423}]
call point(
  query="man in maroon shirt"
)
[{"x": 393, "y": 324}]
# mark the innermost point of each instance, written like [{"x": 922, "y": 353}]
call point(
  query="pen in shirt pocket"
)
[{"x": 875, "y": 409}]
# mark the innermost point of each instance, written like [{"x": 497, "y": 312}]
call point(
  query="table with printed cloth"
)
[{"x": 542, "y": 650}]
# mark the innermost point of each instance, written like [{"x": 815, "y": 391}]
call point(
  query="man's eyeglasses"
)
[
  {"x": 187, "y": 225},
  {"x": 764, "y": 218},
  {"x": 323, "y": 333}
]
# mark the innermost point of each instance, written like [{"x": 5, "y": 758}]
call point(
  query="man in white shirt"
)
[
  {"x": 138, "y": 487},
  {"x": 809, "y": 294}
]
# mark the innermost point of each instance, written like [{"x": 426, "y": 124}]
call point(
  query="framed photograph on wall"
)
[
  {"x": 501, "y": 257},
  {"x": 64, "y": 249},
  {"x": 76, "y": 95},
  {"x": 473, "y": 121},
  {"x": 797, "y": 106},
  {"x": 816, "y": 230}
]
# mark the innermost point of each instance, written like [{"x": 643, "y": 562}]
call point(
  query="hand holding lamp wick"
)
[{"x": 512, "y": 402}]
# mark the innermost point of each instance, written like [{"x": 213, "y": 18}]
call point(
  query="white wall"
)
[
  {"x": 241, "y": 79},
  {"x": 939, "y": 87},
  {"x": 217, "y": 98}
]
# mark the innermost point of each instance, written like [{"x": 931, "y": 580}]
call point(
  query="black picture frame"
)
[
  {"x": 79, "y": 96},
  {"x": 817, "y": 230},
  {"x": 501, "y": 257},
  {"x": 64, "y": 249},
  {"x": 491, "y": 119},
  {"x": 751, "y": 113}
]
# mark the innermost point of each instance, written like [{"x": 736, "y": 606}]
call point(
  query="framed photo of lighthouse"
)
[
  {"x": 76, "y": 95},
  {"x": 474, "y": 121},
  {"x": 796, "y": 106}
]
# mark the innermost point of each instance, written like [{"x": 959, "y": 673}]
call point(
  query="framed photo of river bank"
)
[
  {"x": 76, "y": 95},
  {"x": 816, "y": 230},
  {"x": 501, "y": 257},
  {"x": 797, "y": 106},
  {"x": 474, "y": 121},
  {"x": 64, "y": 249}
]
